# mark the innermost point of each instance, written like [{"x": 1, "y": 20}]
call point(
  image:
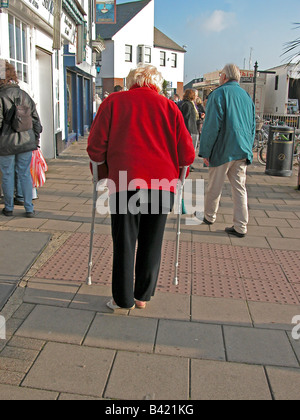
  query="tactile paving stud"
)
[
  {"x": 255, "y": 270},
  {"x": 69, "y": 263},
  {"x": 215, "y": 267},
  {"x": 255, "y": 255},
  {"x": 270, "y": 291},
  {"x": 218, "y": 287},
  {"x": 166, "y": 279},
  {"x": 213, "y": 251},
  {"x": 290, "y": 263}
]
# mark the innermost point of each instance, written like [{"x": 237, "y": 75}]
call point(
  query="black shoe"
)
[
  {"x": 7, "y": 213},
  {"x": 30, "y": 215},
  {"x": 207, "y": 222},
  {"x": 232, "y": 231},
  {"x": 199, "y": 216}
]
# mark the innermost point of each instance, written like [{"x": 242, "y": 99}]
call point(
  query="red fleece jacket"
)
[{"x": 144, "y": 134}]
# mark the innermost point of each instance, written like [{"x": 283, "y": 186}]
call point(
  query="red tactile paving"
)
[
  {"x": 263, "y": 271},
  {"x": 212, "y": 270},
  {"x": 270, "y": 291},
  {"x": 219, "y": 287}
]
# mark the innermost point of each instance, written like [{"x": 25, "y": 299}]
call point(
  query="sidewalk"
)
[{"x": 224, "y": 333}]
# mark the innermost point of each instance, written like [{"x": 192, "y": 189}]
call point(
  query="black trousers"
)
[{"x": 137, "y": 244}]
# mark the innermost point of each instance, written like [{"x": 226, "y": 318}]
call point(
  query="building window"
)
[
  {"x": 144, "y": 54},
  {"x": 163, "y": 59},
  {"x": 174, "y": 60},
  {"x": 128, "y": 53},
  {"x": 140, "y": 54},
  {"x": 276, "y": 82},
  {"x": 18, "y": 47},
  {"x": 147, "y": 55}
]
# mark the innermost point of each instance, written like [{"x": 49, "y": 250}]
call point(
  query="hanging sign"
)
[
  {"x": 106, "y": 11},
  {"x": 4, "y": 4}
]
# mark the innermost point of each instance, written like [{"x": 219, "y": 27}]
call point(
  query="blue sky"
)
[{"x": 217, "y": 32}]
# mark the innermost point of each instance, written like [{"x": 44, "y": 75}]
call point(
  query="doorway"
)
[{"x": 45, "y": 102}]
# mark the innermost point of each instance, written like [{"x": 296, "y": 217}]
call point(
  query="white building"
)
[
  {"x": 134, "y": 39},
  {"x": 283, "y": 90}
]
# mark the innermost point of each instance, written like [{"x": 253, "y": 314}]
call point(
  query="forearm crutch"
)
[
  {"x": 180, "y": 194},
  {"x": 95, "y": 182}
]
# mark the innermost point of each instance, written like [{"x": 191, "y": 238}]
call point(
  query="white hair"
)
[
  {"x": 145, "y": 75},
  {"x": 232, "y": 72}
]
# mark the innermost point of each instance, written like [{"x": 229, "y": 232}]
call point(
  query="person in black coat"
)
[
  {"x": 189, "y": 111},
  {"x": 16, "y": 147}
]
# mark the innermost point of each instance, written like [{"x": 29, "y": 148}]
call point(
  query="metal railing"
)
[{"x": 289, "y": 120}]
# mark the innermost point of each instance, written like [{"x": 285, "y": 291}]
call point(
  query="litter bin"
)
[{"x": 280, "y": 151}]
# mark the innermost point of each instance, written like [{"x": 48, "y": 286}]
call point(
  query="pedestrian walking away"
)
[
  {"x": 226, "y": 145},
  {"x": 20, "y": 129},
  {"x": 140, "y": 142}
]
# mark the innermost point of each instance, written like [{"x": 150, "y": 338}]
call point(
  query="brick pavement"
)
[{"x": 224, "y": 333}]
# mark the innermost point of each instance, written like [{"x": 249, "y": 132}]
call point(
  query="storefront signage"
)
[
  {"x": 247, "y": 76},
  {"x": 106, "y": 11},
  {"x": 45, "y": 9},
  {"x": 4, "y": 4}
]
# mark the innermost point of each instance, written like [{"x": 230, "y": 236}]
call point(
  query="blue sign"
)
[
  {"x": 4, "y": 4},
  {"x": 106, "y": 11}
]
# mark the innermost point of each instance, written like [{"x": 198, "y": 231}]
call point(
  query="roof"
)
[
  {"x": 125, "y": 13},
  {"x": 161, "y": 40}
]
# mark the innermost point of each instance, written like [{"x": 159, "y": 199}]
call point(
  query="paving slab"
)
[
  {"x": 259, "y": 346},
  {"x": 165, "y": 305},
  {"x": 220, "y": 311},
  {"x": 272, "y": 315},
  {"x": 285, "y": 383},
  {"x": 50, "y": 292},
  {"x": 190, "y": 339},
  {"x": 212, "y": 380},
  {"x": 18, "y": 252},
  {"x": 56, "y": 324},
  {"x": 122, "y": 333},
  {"x": 71, "y": 369},
  {"x": 93, "y": 298},
  {"x": 140, "y": 376},
  {"x": 14, "y": 393}
]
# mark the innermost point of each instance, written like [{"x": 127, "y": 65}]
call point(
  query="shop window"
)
[{"x": 18, "y": 48}]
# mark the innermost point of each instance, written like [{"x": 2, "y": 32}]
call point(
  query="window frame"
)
[
  {"x": 174, "y": 61},
  {"x": 18, "y": 47},
  {"x": 128, "y": 55},
  {"x": 162, "y": 58}
]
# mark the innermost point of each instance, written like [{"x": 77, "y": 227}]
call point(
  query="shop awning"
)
[{"x": 73, "y": 11}]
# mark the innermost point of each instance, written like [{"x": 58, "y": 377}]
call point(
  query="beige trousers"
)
[{"x": 236, "y": 171}]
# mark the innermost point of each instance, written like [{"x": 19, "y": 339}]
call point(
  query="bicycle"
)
[{"x": 261, "y": 141}]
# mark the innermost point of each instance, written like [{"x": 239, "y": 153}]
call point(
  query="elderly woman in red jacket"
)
[{"x": 140, "y": 142}]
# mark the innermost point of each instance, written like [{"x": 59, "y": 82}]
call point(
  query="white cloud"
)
[{"x": 218, "y": 21}]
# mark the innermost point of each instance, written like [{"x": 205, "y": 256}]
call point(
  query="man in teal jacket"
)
[{"x": 226, "y": 145}]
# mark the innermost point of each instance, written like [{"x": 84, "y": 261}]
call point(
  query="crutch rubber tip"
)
[
  {"x": 89, "y": 281},
  {"x": 175, "y": 282}
]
